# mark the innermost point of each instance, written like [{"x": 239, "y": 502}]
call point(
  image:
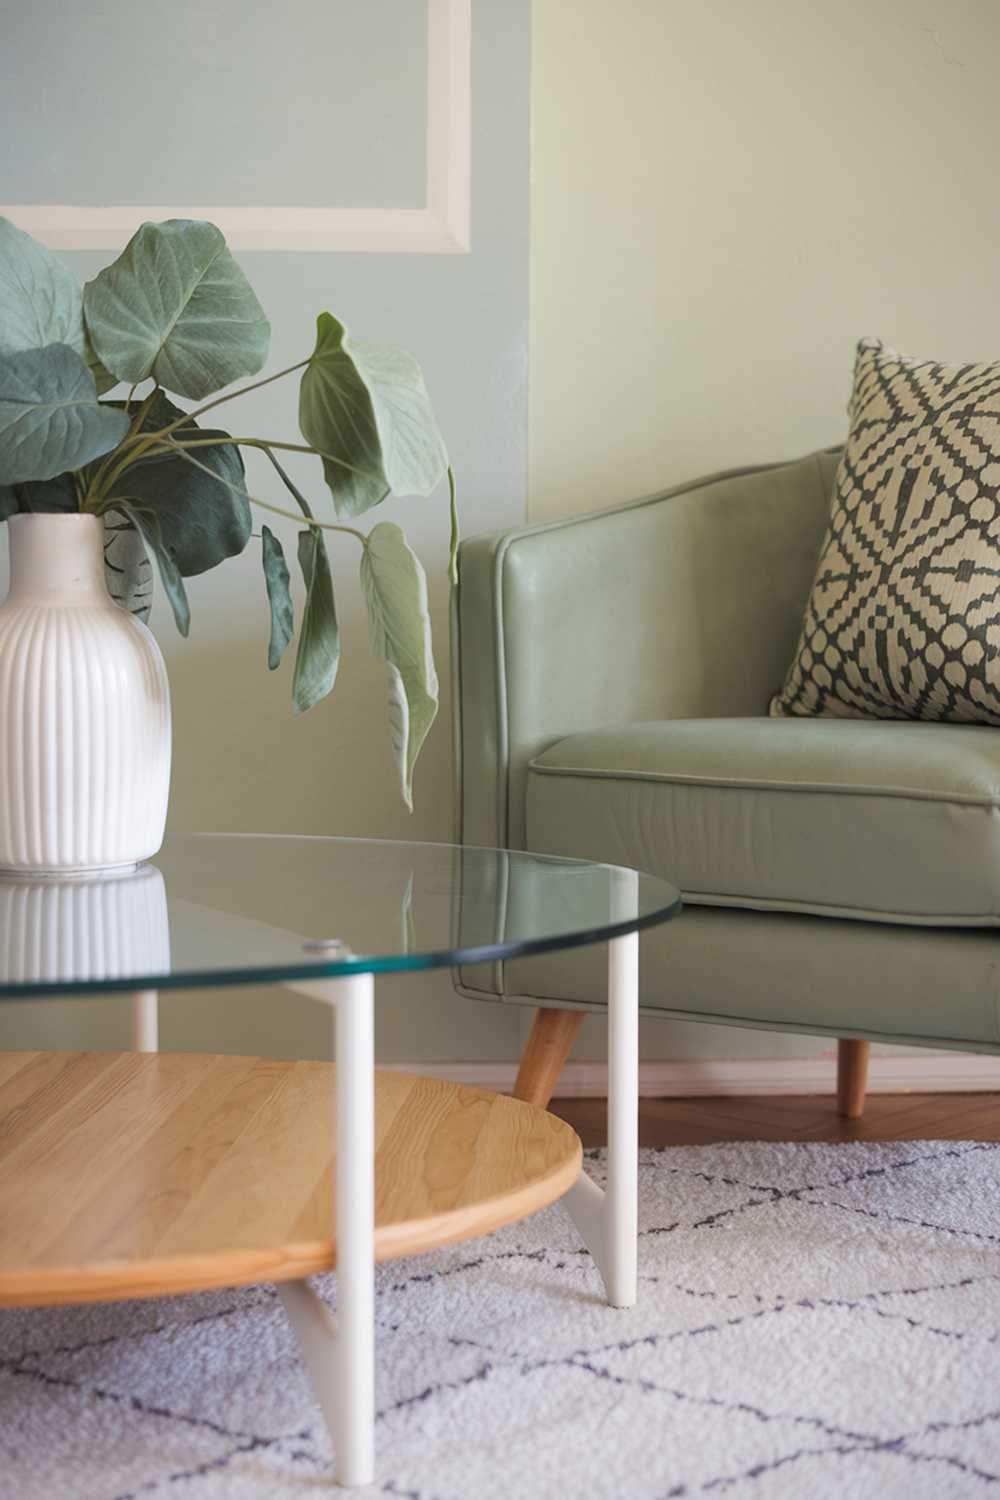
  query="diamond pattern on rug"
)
[{"x": 813, "y": 1320}]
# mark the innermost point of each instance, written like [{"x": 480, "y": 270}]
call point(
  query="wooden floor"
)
[{"x": 888, "y": 1117}]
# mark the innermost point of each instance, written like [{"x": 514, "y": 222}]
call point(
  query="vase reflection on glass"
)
[
  {"x": 84, "y": 709},
  {"x": 83, "y": 927}
]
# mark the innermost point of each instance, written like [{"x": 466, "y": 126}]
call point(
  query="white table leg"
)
[
  {"x": 608, "y": 1220},
  {"x": 340, "y": 1357},
  {"x": 623, "y": 1120},
  {"x": 145, "y": 1022},
  {"x": 354, "y": 1350}
]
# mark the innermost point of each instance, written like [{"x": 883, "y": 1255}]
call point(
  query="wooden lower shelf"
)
[{"x": 126, "y": 1174}]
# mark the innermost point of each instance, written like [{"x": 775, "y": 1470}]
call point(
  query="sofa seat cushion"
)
[{"x": 890, "y": 821}]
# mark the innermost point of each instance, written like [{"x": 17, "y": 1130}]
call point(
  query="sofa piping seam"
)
[
  {"x": 598, "y": 1007},
  {"x": 911, "y": 794},
  {"x": 828, "y": 910}
]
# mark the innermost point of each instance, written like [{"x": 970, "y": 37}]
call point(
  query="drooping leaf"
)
[
  {"x": 399, "y": 628},
  {"x": 50, "y": 417},
  {"x": 148, "y": 524},
  {"x": 202, "y": 507},
  {"x": 175, "y": 305},
  {"x": 318, "y": 655},
  {"x": 40, "y": 302},
  {"x": 278, "y": 596},
  {"x": 367, "y": 411},
  {"x": 127, "y": 569}
]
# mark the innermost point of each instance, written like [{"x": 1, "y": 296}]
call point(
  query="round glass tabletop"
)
[{"x": 215, "y": 909}]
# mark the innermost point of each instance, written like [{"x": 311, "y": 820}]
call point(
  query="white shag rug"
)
[{"x": 813, "y": 1321}]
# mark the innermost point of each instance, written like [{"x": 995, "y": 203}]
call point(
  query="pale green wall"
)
[{"x": 726, "y": 195}]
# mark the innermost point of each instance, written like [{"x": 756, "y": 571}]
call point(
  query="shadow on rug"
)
[{"x": 813, "y": 1321}]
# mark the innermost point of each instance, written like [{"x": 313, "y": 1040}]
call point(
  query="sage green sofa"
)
[{"x": 613, "y": 673}]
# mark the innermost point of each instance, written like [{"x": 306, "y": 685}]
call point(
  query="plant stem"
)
[
  {"x": 223, "y": 442},
  {"x": 143, "y": 408},
  {"x": 292, "y": 489},
  {"x": 254, "y": 386},
  {"x": 104, "y": 468},
  {"x": 278, "y": 510},
  {"x": 134, "y": 447},
  {"x": 453, "y": 542},
  {"x": 155, "y": 442},
  {"x": 265, "y": 443}
]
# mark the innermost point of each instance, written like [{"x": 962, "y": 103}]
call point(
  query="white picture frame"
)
[{"x": 440, "y": 227}]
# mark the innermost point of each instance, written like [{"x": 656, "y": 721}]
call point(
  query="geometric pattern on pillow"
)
[{"x": 903, "y": 620}]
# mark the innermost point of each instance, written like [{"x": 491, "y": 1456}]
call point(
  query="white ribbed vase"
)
[{"x": 84, "y": 709}]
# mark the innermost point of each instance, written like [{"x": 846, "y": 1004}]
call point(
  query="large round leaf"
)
[
  {"x": 40, "y": 302},
  {"x": 50, "y": 417},
  {"x": 367, "y": 411},
  {"x": 176, "y": 306},
  {"x": 200, "y": 502}
]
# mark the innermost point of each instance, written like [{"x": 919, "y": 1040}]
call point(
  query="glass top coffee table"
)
[{"x": 139, "y": 1174}]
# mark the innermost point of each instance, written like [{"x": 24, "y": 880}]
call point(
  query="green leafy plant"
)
[{"x": 175, "y": 314}]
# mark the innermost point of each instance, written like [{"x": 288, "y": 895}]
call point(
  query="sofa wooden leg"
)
[
  {"x": 852, "y": 1077},
  {"x": 553, "y": 1033}
]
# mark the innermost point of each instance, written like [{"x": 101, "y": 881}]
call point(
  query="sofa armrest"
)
[{"x": 684, "y": 605}]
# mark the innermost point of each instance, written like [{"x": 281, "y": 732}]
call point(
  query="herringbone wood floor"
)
[{"x": 887, "y": 1117}]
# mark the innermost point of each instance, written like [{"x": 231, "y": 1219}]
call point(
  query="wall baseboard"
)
[{"x": 918, "y": 1072}]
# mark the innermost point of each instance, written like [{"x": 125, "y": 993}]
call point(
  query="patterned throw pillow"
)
[{"x": 904, "y": 617}]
